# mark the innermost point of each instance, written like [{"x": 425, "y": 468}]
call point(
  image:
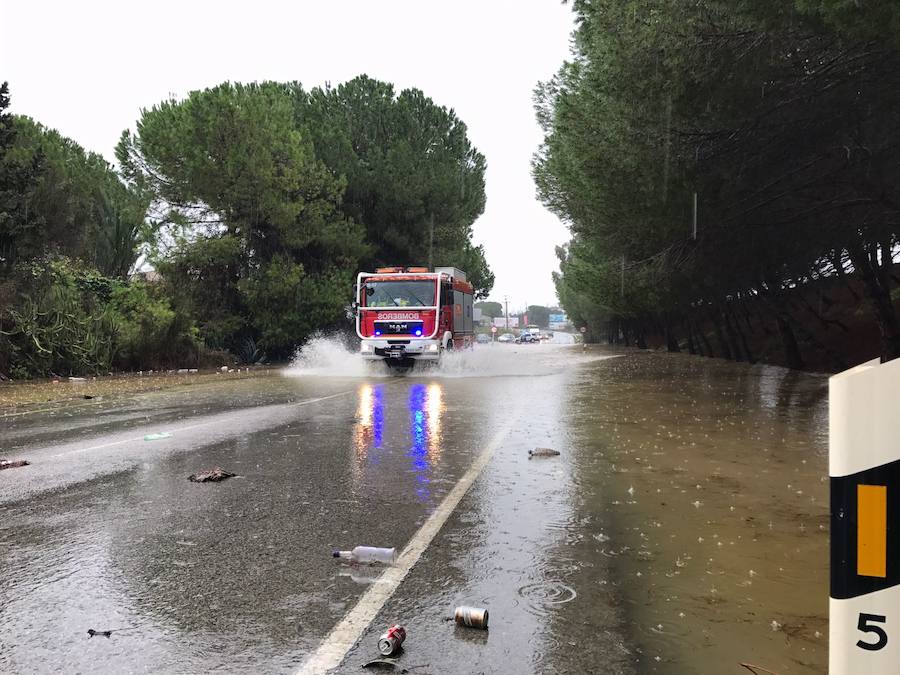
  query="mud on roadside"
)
[{"x": 18, "y": 397}]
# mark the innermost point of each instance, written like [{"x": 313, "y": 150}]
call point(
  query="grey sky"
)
[{"x": 87, "y": 68}]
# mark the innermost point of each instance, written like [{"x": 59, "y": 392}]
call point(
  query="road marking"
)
[
  {"x": 344, "y": 635},
  {"x": 176, "y": 430}
]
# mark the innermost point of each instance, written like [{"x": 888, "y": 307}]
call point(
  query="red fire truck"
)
[{"x": 409, "y": 314}]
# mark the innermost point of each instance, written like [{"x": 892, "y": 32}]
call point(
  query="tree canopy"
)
[
  {"x": 779, "y": 123},
  {"x": 414, "y": 181},
  {"x": 254, "y": 215},
  {"x": 70, "y": 233},
  {"x": 55, "y": 197},
  {"x": 270, "y": 198},
  {"x": 538, "y": 315},
  {"x": 257, "y": 204},
  {"x": 490, "y": 309}
]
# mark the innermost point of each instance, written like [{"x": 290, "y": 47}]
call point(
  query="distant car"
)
[
  {"x": 506, "y": 337},
  {"x": 526, "y": 337},
  {"x": 482, "y": 338}
]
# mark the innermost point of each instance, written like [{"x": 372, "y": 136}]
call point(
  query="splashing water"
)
[{"x": 331, "y": 356}]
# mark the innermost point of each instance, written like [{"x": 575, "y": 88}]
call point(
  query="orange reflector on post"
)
[{"x": 871, "y": 530}]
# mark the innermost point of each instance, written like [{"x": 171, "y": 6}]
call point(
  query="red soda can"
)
[{"x": 390, "y": 642}]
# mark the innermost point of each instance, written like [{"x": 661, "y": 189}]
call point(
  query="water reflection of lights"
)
[
  {"x": 370, "y": 419},
  {"x": 425, "y": 405},
  {"x": 378, "y": 416},
  {"x": 364, "y": 411},
  {"x": 435, "y": 406},
  {"x": 425, "y": 409}
]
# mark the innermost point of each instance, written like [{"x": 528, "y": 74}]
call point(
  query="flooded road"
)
[
  {"x": 683, "y": 528},
  {"x": 705, "y": 486}
]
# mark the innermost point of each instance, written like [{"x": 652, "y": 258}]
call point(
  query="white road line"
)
[
  {"x": 345, "y": 634},
  {"x": 176, "y": 430}
]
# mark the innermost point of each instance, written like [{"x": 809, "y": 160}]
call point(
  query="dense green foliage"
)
[
  {"x": 70, "y": 231},
  {"x": 257, "y": 215},
  {"x": 152, "y": 332},
  {"x": 65, "y": 318},
  {"x": 782, "y": 120},
  {"x": 256, "y": 205},
  {"x": 272, "y": 198},
  {"x": 55, "y": 197},
  {"x": 538, "y": 315},
  {"x": 414, "y": 181}
]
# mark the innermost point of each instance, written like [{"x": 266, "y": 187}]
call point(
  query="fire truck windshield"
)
[{"x": 400, "y": 293}]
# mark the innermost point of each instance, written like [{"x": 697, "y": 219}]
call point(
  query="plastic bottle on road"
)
[{"x": 369, "y": 554}]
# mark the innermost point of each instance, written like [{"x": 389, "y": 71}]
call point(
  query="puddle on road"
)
[{"x": 705, "y": 484}]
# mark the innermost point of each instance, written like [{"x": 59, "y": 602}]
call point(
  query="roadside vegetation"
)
[
  {"x": 729, "y": 172},
  {"x": 232, "y": 227}
]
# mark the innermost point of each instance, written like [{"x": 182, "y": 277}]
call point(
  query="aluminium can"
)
[
  {"x": 475, "y": 617},
  {"x": 389, "y": 643}
]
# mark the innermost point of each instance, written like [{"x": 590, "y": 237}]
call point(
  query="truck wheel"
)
[{"x": 449, "y": 345}]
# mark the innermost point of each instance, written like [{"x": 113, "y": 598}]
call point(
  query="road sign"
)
[
  {"x": 493, "y": 329},
  {"x": 864, "y": 465}
]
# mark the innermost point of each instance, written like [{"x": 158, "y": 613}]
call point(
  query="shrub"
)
[
  {"x": 150, "y": 333},
  {"x": 59, "y": 322},
  {"x": 61, "y": 317}
]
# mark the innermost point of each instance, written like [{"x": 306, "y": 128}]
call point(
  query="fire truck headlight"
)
[
  {"x": 432, "y": 348},
  {"x": 365, "y": 348}
]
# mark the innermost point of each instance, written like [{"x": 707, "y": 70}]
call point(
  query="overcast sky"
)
[{"x": 87, "y": 68}]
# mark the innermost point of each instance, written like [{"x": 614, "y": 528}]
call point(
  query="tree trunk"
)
[
  {"x": 692, "y": 348},
  {"x": 671, "y": 340},
  {"x": 747, "y": 317},
  {"x": 730, "y": 333},
  {"x": 789, "y": 342},
  {"x": 701, "y": 338},
  {"x": 641, "y": 342},
  {"x": 723, "y": 345},
  {"x": 743, "y": 338}
]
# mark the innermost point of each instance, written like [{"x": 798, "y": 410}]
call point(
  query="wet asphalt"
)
[{"x": 103, "y": 530}]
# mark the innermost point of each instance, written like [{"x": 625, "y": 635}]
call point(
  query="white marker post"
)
[{"x": 864, "y": 464}]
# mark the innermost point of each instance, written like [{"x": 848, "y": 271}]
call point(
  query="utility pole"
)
[
  {"x": 694, "y": 229},
  {"x": 431, "y": 241},
  {"x": 506, "y": 310},
  {"x": 622, "y": 281}
]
